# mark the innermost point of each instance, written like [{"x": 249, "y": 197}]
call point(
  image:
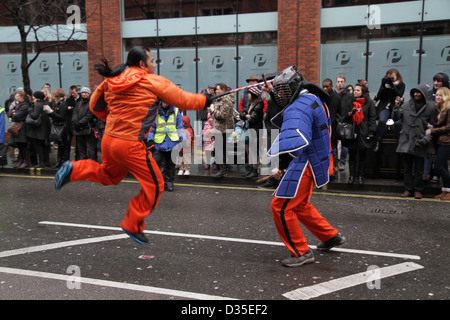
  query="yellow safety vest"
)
[{"x": 168, "y": 127}]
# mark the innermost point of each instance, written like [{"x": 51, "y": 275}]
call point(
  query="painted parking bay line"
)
[
  {"x": 306, "y": 293},
  {"x": 240, "y": 240}
]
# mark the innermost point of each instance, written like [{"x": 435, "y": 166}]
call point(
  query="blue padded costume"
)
[{"x": 305, "y": 136}]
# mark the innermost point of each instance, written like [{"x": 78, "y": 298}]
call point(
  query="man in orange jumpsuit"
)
[
  {"x": 304, "y": 135},
  {"x": 125, "y": 102}
]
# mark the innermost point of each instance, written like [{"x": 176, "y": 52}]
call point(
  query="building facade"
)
[{"x": 201, "y": 42}]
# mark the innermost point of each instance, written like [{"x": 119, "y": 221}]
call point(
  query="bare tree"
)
[{"x": 35, "y": 18}]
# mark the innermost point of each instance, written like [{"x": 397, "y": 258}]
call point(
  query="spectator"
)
[
  {"x": 223, "y": 120},
  {"x": 365, "y": 84},
  {"x": 2, "y": 125},
  {"x": 253, "y": 79},
  {"x": 346, "y": 103},
  {"x": 441, "y": 132},
  {"x": 48, "y": 99},
  {"x": 415, "y": 115},
  {"x": 18, "y": 113},
  {"x": 334, "y": 106},
  {"x": 39, "y": 132},
  {"x": 272, "y": 110},
  {"x": 349, "y": 88},
  {"x": 391, "y": 87},
  {"x": 10, "y": 106},
  {"x": 208, "y": 142},
  {"x": 439, "y": 80},
  {"x": 167, "y": 131},
  {"x": 58, "y": 115},
  {"x": 363, "y": 114},
  {"x": 71, "y": 101},
  {"x": 186, "y": 152},
  {"x": 211, "y": 90},
  {"x": 82, "y": 124},
  {"x": 253, "y": 114},
  {"x": 99, "y": 131},
  {"x": 203, "y": 114}
]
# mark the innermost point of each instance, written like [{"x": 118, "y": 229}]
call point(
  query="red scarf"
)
[{"x": 359, "y": 115}]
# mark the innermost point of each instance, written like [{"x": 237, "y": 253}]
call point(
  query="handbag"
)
[
  {"x": 57, "y": 132},
  {"x": 346, "y": 131},
  {"x": 15, "y": 127},
  {"x": 33, "y": 122}
]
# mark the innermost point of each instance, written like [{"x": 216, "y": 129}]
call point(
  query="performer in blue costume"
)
[{"x": 305, "y": 135}]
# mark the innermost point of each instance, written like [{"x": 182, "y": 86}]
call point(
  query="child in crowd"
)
[
  {"x": 208, "y": 141},
  {"x": 186, "y": 153}
]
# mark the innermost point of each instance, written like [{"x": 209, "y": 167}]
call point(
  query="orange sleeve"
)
[
  {"x": 174, "y": 95},
  {"x": 97, "y": 103}
]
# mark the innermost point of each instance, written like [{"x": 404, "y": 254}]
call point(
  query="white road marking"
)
[
  {"x": 271, "y": 243},
  {"x": 58, "y": 245},
  {"x": 114, "y": 284},
  {"x": 320, "y": 289},
  {"x": 301, "y": 293}
]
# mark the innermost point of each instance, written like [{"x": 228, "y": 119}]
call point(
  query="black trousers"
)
[
  {"x": 86, "y": 146},
  {"x": 412, "y": 177},
  {"x": 165, "y": 164}
]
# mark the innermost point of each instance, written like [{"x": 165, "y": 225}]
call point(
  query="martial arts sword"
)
[
  {"x": 240, "y": 89},
  {"x": 271, "y": 176}
]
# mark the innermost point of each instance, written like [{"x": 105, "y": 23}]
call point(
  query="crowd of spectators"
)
[{"x": 419, "y": 116}]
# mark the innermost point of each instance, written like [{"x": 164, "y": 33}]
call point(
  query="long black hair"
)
[{"x": 136, "y": 55}]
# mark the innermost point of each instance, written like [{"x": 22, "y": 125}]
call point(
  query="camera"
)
[{"x": 387, "y": 80}]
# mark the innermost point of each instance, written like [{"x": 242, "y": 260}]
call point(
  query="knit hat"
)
[
  {"x": 39, "y": 95},
  {"x": 255, "y": 90},
  {"x": 86, "y": 89}
]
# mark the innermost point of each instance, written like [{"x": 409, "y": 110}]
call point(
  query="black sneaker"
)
[
  {"x": 138, "y": 237},
  {"x": 337, "y": 240},
  {"x": 307, "y": 257},
  {"x": 62, "y": 177}
]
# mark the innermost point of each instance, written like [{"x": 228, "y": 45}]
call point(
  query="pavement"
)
[{"x": 384, "y": 185}]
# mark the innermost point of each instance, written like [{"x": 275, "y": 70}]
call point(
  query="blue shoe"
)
[
  {"x": 62, "y": 177},
  {"x": 138, "y": 237}
]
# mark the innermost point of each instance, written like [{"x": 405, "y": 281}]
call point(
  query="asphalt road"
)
[{"x": 211, "y": 242}]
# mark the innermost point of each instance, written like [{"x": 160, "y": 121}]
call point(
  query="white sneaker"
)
[
  {"x": 180, "y": 173},
  {"x": 187, "y": 173}
]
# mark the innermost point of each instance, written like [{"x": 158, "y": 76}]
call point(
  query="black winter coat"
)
[
  {"x": 19, "y": 114},
  {"x": 386, "y": 96},
  {"x": 333, "y": 103},
  {"x": 42, "y": 132},
  {"x": 60, "y": 113},
  {"x": 256, "y": 113},
  {"x": 364, "y": 129},
  {"x": 82, "y": 118}
]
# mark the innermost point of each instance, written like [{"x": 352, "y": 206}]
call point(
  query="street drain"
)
[{"x": 387, "y": 211}]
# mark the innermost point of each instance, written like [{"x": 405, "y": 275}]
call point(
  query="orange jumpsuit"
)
[
  {"x": 288, "y": 212},
  {"x": 125, "y": 103}
]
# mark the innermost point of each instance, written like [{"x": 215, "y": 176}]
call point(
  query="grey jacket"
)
[{"x": 414, "y": 123}]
